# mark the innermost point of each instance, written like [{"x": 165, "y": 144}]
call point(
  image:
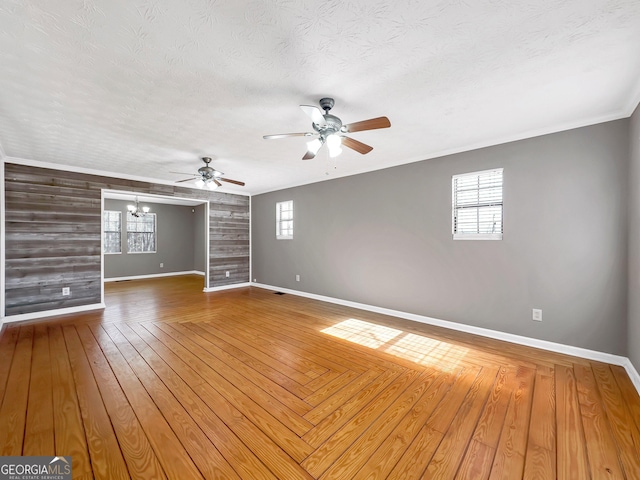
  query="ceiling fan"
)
[
  {"x": 329, "y": 129},
  {"x": 208, "y": 177}
]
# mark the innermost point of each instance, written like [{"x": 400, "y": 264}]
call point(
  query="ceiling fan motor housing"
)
[
  {"x": 207, "y": 172},
  {"x": 334, "y": 124}
]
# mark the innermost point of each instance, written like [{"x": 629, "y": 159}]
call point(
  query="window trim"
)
[
  {"x": 279, "y": 235},
  {"x": 475, "y": 236},
  {"x": 105, "y": 231},
  {"x": 155, "y": 234}
]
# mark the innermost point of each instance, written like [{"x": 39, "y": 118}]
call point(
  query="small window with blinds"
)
[
  {"x": 284, "y": 220},
  {"x": 111, "y": 239},
  {"x": 477, "y": 205}
]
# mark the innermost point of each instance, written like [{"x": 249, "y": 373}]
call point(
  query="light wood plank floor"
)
[{"x": 169, "y": 382}]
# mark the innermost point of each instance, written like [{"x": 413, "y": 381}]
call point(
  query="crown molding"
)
[
  {"x": 634, "y": 100},
  {"x": 500, "y": 140}
]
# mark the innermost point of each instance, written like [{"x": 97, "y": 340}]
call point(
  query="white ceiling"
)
[{"x": 142, "y": 88}]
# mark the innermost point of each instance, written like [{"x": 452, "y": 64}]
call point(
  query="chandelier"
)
[{"x": 136, "y": 211}]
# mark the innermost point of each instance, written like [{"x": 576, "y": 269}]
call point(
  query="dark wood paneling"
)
[
  {"x": 237, "y": 267},
  {"x": 50, "y": 227},
  {"x": 52, "y": 224},
  {"x": 48, "y": 295},
  {"x": 229, "y": 232}
]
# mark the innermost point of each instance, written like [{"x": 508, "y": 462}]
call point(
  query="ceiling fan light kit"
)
[
  {"x": 329, "y": 129},
  {"x": 208, "y": 184},
  {"x": 314, "y": 145},
  {"x": 333, "y": 143},
  {"x": 209, "y": 177}
]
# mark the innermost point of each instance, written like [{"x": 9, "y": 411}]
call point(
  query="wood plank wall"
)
[
  {"x": 52, "y": 235},
  {"x": 229, "y": 232}
]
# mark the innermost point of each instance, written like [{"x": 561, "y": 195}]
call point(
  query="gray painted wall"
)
[
  {"x": 384, "y": 238},
  {"x": 633, "y": 337},
  {"x": 175, "y": 243}
]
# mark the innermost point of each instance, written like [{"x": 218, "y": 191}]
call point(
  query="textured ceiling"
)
[{"x": 142, "y": 88}]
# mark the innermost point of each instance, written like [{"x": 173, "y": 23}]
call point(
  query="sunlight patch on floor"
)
[
  {"x": 410, "y": 346},
  {"x": 363, "y": 333}
]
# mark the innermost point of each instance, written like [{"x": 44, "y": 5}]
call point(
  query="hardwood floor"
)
[{"x": 170, "y": 382}]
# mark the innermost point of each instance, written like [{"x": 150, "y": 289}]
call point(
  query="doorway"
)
[{"x": 168, "y": 236}]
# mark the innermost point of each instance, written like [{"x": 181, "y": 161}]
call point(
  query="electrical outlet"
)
[
  {"x": 66, "y": 291},
  {"x": 255, "y": 280},
  {"x": 297, "y": 278},
  {"x": 227, "y": 273},
  {"x": 537, "y": 314},
  {"x": 161, "y": 265}
]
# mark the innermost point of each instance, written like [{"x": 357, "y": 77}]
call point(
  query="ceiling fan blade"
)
[
  {"x": 315, "y": 114},
  {"x": 217, "y": 182},
  {"x": 309, "y": 155},
  {"x": 359, "y": 147},
  {"x": 183, "y": 173},
  {"x": 285, "y": 135},
  {"x": 228, "y": 180},
  {"x": 186, "y": 180},
  {"x": 371, "y": 124}
]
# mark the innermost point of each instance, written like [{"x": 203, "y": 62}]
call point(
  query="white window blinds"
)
[
  {"x": 141, "y": 233},
  {"x": 111, "y": 241},
  {"x": 284, "y": 220},
  {"x": 477, "y": 205}
]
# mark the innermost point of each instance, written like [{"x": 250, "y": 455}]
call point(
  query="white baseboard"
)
[
  {"x": 633, "y": 374},
  {"x": 484, "y": 332},
  {"x": 227, "y": 287},
  {"x": 152, "y": 275},
  {"x": 51, "y": 313}
]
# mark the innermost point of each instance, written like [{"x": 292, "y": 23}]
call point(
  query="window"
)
[
  {"x": 284, "y": 220},
  {"x": 477, "y": 205},
  {"x": 141, "y": 233},
  {"x": 111, "y": 240}
]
